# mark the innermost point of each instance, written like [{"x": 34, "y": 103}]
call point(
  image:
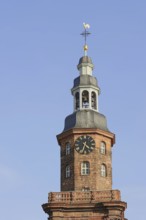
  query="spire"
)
[
  {"x": 85, "y": 65},
  {"x": 85, "y": 33},
  {"x": 85, "y": 89}
]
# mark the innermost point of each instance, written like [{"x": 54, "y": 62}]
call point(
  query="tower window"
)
[
  {"x": 103, "y": 170},
  {"x": 102, "y": 148},
  {"x": 85, "y": 168},
  {"x": 85, "y": 99},
  {"x": 67, "y": 171},
  {"x": 68, "y": 148},
  {"x": 77, "y": 101},
  {"x": 93, "y": 100}
]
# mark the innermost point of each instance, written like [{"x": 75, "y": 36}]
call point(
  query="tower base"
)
[{"x": 89, "y": 205}]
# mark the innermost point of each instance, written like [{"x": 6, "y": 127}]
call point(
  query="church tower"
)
[{"x": 86, "y": 156}]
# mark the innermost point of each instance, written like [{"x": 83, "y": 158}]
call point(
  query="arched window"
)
[
  {"x": 85, "y": 99},
  {"x": 77, "y": 101},
  {"x": 85, "y": 168},
  {"x": 68, "y": 148},
  {"x": 67, "y": 171},
  {"x": 103, "y": 170},
  {"x": 93, "y": 100},
  {"x": 102, "y": 148}
]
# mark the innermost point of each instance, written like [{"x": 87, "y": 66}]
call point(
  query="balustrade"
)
[{"x": 90, "y": 196}]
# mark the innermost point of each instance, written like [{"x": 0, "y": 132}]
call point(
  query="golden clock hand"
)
[
  {"x": 84, "y": 144},
  {"x": 83, "y": 148},
  {"x": 87, "y": 146}
]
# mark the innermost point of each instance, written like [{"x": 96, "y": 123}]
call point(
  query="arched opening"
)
[
  {"x": 103, "y": 170},
  {"x": 85, "y": 168},
  {"x": 85, "y": 99},
  {"x": 93, "y": 100},
  {"x": 102, "y": 148},
  {"x": 77, "y": 101},
  {"x": 67, "y": 171},
  {"x": 68, "y": 148}
]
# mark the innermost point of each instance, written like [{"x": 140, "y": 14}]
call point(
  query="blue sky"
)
[{"x": 40, "y": 45}]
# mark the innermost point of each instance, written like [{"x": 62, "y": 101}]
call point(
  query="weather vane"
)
[{"x": 85, "y": 33}]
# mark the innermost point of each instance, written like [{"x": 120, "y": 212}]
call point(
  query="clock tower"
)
[{"x": 86, "y": 157}]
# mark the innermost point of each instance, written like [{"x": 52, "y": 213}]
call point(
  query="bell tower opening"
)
[
  {"x": 77, "y": 101},
  {"x": 93, "y": 100},
  {"x": 85, "y": 99}
]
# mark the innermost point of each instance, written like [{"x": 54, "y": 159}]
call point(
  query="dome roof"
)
[
  {"x": 86, "y": 119},
  {"x": 85, "y": 59}
]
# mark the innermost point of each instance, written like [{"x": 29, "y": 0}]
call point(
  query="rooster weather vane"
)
[{"x": 85, "y": 34}]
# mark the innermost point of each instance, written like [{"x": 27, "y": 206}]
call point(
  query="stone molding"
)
[{"x": 112, "y": 218}]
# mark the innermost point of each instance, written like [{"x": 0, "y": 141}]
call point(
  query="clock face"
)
[{"x": 84, "y": 144}]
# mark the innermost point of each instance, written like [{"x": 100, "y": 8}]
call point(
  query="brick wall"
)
[{"x": 93, "y": 181}]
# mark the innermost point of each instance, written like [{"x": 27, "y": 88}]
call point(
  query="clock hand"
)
[{"x": 84, "y": 144}]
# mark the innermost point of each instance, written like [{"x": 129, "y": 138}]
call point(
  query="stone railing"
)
[{"x": 85, "y": 197}]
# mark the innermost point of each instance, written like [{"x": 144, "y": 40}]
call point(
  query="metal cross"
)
[{"x": 85, "y": 33}]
